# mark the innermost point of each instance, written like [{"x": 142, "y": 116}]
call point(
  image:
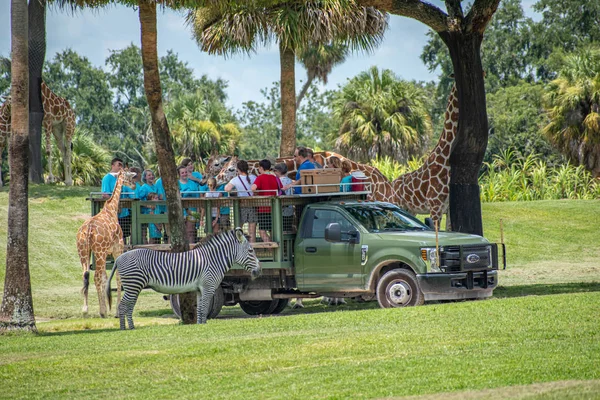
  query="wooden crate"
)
[{"x": 325, "y": 176}]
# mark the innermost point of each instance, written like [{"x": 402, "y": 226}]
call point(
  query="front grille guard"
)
[{"x": 464, "y": 258}]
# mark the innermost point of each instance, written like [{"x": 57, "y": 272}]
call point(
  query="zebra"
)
[{"x": 201, "y": 270}]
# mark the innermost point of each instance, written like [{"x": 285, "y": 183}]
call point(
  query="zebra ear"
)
[{"x": 239, "y": 234}]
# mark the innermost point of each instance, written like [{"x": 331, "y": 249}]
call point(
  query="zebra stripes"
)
[{"x": 201, "y": 270}]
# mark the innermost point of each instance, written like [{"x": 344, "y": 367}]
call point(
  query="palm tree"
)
[
  {"x": 294, "y": 26},
  {"x": 201, "y": 126},
  {"x": 573, "y": 105},
  {"x": 16, "y": 312},
  {"x": 319, "y": 60},
  {"x": 381, "y": 115}
]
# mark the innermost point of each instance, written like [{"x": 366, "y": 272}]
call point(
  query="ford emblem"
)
[{"x": 472, "y": 258}]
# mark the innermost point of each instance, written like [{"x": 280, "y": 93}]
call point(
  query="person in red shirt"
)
[{"x": 266, "y": 184}]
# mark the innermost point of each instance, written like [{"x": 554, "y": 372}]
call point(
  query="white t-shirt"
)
[{"x": 242, "y": 186}]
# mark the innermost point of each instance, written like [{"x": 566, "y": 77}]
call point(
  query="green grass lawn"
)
[{"x": 537, "y": 338}]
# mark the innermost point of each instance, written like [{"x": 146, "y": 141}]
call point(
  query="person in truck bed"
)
[{"x": 266, "y": 184}]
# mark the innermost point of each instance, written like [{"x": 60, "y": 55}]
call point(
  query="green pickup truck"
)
[{"x": 341, "y": 245}]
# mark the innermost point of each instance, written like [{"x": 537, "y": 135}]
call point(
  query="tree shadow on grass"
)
[
  {"x": 83, "y": 331},
  {"x": 546, "y": 289}
]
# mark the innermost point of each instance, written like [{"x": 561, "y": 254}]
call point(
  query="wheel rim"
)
[{"x": 398, "y": 293}]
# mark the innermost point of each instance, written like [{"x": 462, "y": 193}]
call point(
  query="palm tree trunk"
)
[
  {"x": 472, "y": 137},
  {"x": 309, "y": 81},
  {"x": 160, "y": 127},
  {"x": 37, "y": 54},
  {"x": 162, "y": 140},
  {"x": 16, "y": 312},
  {"x": 288, "y": 102}
]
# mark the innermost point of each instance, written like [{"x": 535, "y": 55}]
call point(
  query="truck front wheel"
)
[{"x": 399, "y": 288}]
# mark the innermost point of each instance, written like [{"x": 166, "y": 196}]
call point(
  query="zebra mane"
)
[{"x": 210, "y": 238}]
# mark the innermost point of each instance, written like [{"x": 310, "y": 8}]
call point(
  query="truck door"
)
[{"x": 321, "y": 265}]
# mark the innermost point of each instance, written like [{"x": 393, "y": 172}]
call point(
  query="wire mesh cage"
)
[{"x": 270, "y": 223}]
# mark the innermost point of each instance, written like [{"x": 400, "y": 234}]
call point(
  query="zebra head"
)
[{"x": 245, "y": 255}]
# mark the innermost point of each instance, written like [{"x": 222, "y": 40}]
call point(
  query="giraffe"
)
[
  {"x": 59, "y": 119},
  {"x": 425, "y": 190},
  {"x": 4, "y": 130},
  {"x": 102, "y": 235}
]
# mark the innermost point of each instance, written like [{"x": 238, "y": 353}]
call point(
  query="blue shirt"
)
[
  {"x": 305, "y": 165},
  {"x": 160, "y": 190},
  {"x": 185, "y": 189},
  {"x": 108, "y": 185},
  {"x": 346, "y": 188},
  {"x": 223, "y": 210},
  {"x": 145, "y": 189},
  {"x": 189, "y": 186},
  {"x": 197, "y": 175}
]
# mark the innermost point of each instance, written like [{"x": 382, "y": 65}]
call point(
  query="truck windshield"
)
[{"x": 384, "y": 218}]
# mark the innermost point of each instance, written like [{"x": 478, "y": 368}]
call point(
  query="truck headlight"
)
[{"x": 429, "y": 255}]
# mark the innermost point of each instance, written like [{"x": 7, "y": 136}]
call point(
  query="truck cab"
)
[{"x": 348, "y": 247}]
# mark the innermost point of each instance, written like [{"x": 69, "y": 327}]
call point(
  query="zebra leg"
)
[
  {"x": 298, "y": 304},
  {"x": 126, "y": 306},
  {"x": 203, "y": 299}
]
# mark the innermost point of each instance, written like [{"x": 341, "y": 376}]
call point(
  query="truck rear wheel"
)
[
  {"x": 399, "y": 288},
  {"x": 259, "y": 307},
  {"x": 281, "y": 305},
  {"x": 215, "y": 306}
]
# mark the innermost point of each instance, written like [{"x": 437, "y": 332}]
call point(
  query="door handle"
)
[{"x": 310, "y": 249}]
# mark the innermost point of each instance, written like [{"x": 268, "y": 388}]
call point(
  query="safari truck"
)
[{"x": 329, "y": 243}]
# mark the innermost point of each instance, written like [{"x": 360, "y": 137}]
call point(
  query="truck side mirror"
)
[
  {"x": 429, "y": 223},
  {"x": 333, "y": 232}
]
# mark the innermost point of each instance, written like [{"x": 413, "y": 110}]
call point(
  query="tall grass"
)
[
  {"x": 508, "y": 178},
  {"x": 392, "y": 169},
  {"x": 511, "y": 178}
]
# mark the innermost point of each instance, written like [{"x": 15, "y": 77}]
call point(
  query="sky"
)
[{"x": 94, "y": 33}]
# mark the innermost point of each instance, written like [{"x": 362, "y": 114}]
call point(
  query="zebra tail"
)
[{"x": 108, "y": 290}]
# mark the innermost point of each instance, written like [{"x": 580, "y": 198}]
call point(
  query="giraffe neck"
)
[
  {"x": 112, "y": 204},
  {"x": 5, "y": 112},
  {"x": 46, "y": 92},
  {"x": 448, "y": 135}
]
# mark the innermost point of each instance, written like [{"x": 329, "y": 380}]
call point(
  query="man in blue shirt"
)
[
  {"x": 301, "y": 158},
  {"x": 108, "y": 185}
]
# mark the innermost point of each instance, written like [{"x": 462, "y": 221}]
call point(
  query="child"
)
[
  {"x": 287, "y": 211},
  {"x": 212, "y": 192},
  {"x": 155, "y": 229}
]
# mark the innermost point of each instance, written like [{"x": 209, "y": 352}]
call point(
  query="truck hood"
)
[{"x": 427, "y": 238}]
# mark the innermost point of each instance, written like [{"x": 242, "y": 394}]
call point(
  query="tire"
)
[
  {"x": 259, "y": 307},
  {"x": 215, "y": 306},
  {"x": 399, "y": 288},
  {"x": 280, "y": 306}
]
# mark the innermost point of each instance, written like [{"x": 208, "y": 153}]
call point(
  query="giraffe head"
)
[
  {"x": 229, "y": 171},
  {"x": 215, "y": 164},
  {"x": 126, "y": 177}
]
